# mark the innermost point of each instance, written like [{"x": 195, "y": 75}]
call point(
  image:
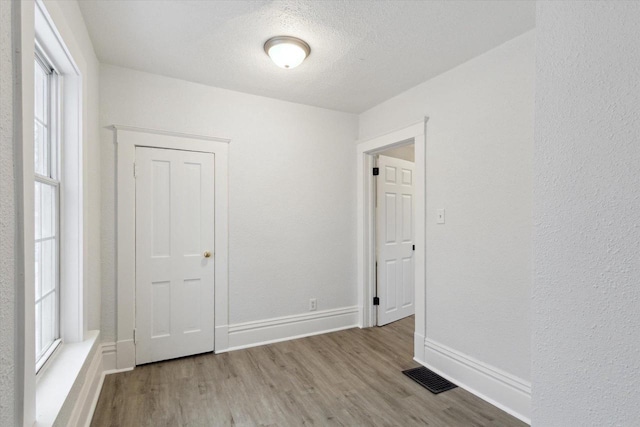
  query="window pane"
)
[
  {"x": 48, "y": 265},
  {"x": 38, "y": 281},
  {"x": 48, "y": 212},
  {"x": 48, "y": 320},
  {"x": 38, "y": 330},
  {"x": 41, "y": 149}
]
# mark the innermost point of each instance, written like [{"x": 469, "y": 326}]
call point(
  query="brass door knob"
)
[{"x": 207, "y": 254}]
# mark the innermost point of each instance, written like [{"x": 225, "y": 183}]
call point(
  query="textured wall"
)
[
  {"x": 586, "y": 294},
  {"x": 291, "y": 191},
  {"x": 479, "y": 168},
  {"x": 7, "y": 220}
]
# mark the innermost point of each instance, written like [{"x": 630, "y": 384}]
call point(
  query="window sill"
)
[
  {"x": 56, "y": 382},
  {"x": 50, "y": 354}
]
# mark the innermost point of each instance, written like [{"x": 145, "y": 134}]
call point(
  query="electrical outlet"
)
[{"x": 313, "y": 304}]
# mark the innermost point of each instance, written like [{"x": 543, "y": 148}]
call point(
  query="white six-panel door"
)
[
  {"x": 174, "y": 253},
  {"x": 394, "y": 239}
]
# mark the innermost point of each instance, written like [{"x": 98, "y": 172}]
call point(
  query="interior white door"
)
[
  {"x": 394, "y": 239},
  {"x": 174, "y": 253}
]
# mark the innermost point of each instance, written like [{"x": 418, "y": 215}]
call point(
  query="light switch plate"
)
[{"x": 440, "y": 217}]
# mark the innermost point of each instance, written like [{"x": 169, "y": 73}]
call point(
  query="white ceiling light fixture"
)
[{"x": 287, "y": 52}]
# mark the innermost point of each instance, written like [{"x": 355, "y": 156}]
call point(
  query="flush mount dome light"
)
[{"x": 287, "y": 52}]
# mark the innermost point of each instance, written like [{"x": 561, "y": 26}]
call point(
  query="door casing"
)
[
  {"x": 127, "y": 138},
  {"x": 366, "y": 243}
]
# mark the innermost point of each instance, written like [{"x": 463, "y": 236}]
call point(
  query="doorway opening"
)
[{"x": 368, "y": 152}]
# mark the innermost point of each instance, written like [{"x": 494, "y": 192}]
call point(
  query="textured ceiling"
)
[{"x": 362, "y": 52}]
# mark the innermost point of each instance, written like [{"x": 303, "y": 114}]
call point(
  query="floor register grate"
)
[{"x": 429, "y": 380}]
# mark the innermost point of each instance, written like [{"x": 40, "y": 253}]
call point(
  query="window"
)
[
  {"x": 47, "y": 209},
  {"x": 55, "y": 305}
]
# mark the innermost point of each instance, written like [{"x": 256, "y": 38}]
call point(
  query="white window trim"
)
[
  {"x": 50, "y": 43},
  {"x": 127, "y": 139}
]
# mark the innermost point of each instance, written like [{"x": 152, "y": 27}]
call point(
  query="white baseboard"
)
[
  {"x": 252, "y": 334},
  {"x": 109, "y": 356},
  {"x": 418, "y": 346},
  {"x": 221, "y": 338},
  {"x": 125, "y": 354},
  {"x": 501, "y": 389}
]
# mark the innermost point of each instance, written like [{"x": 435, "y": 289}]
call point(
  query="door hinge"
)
[
  {"x": 135, "y": 336},
  {"x": 376, "y": 171},
  {"x": 376, "y": 301}
]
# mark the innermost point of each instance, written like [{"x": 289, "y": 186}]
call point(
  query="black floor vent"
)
[{"x": 429, "y": 380}]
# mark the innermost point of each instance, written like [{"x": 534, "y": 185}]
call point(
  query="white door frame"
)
[
  {"x": 127, "y": 138},
  {"x": 366, "y": 149}
]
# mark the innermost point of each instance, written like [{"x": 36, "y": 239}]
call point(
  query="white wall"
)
[
  {"x": 291, "y": 192},
  {"x": 586, "y": 293},
  {"x": 479, "y": 168},
  {"x": 8, "y": 226}
]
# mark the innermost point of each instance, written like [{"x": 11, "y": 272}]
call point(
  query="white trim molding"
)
[
  {"x": 72, "y": 191},
  {"x": 127, "y": 138},
  {"x": 261, "y": 332},
  {"x": 171, "y": 133},
  {"x": 501, "y": 389},
  {"x": 125, "y": 354},
  {"x": 418, "y": 346},
  {"x": 108, "y": 350}
]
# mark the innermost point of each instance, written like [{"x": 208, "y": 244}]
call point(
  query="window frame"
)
[{"x": 53, "y": 179}]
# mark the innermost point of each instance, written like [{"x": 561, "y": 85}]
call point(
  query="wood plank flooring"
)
[{"x": 347, "y": 378}]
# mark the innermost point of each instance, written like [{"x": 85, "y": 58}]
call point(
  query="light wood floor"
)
[{"x": 347, "y": 378}]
